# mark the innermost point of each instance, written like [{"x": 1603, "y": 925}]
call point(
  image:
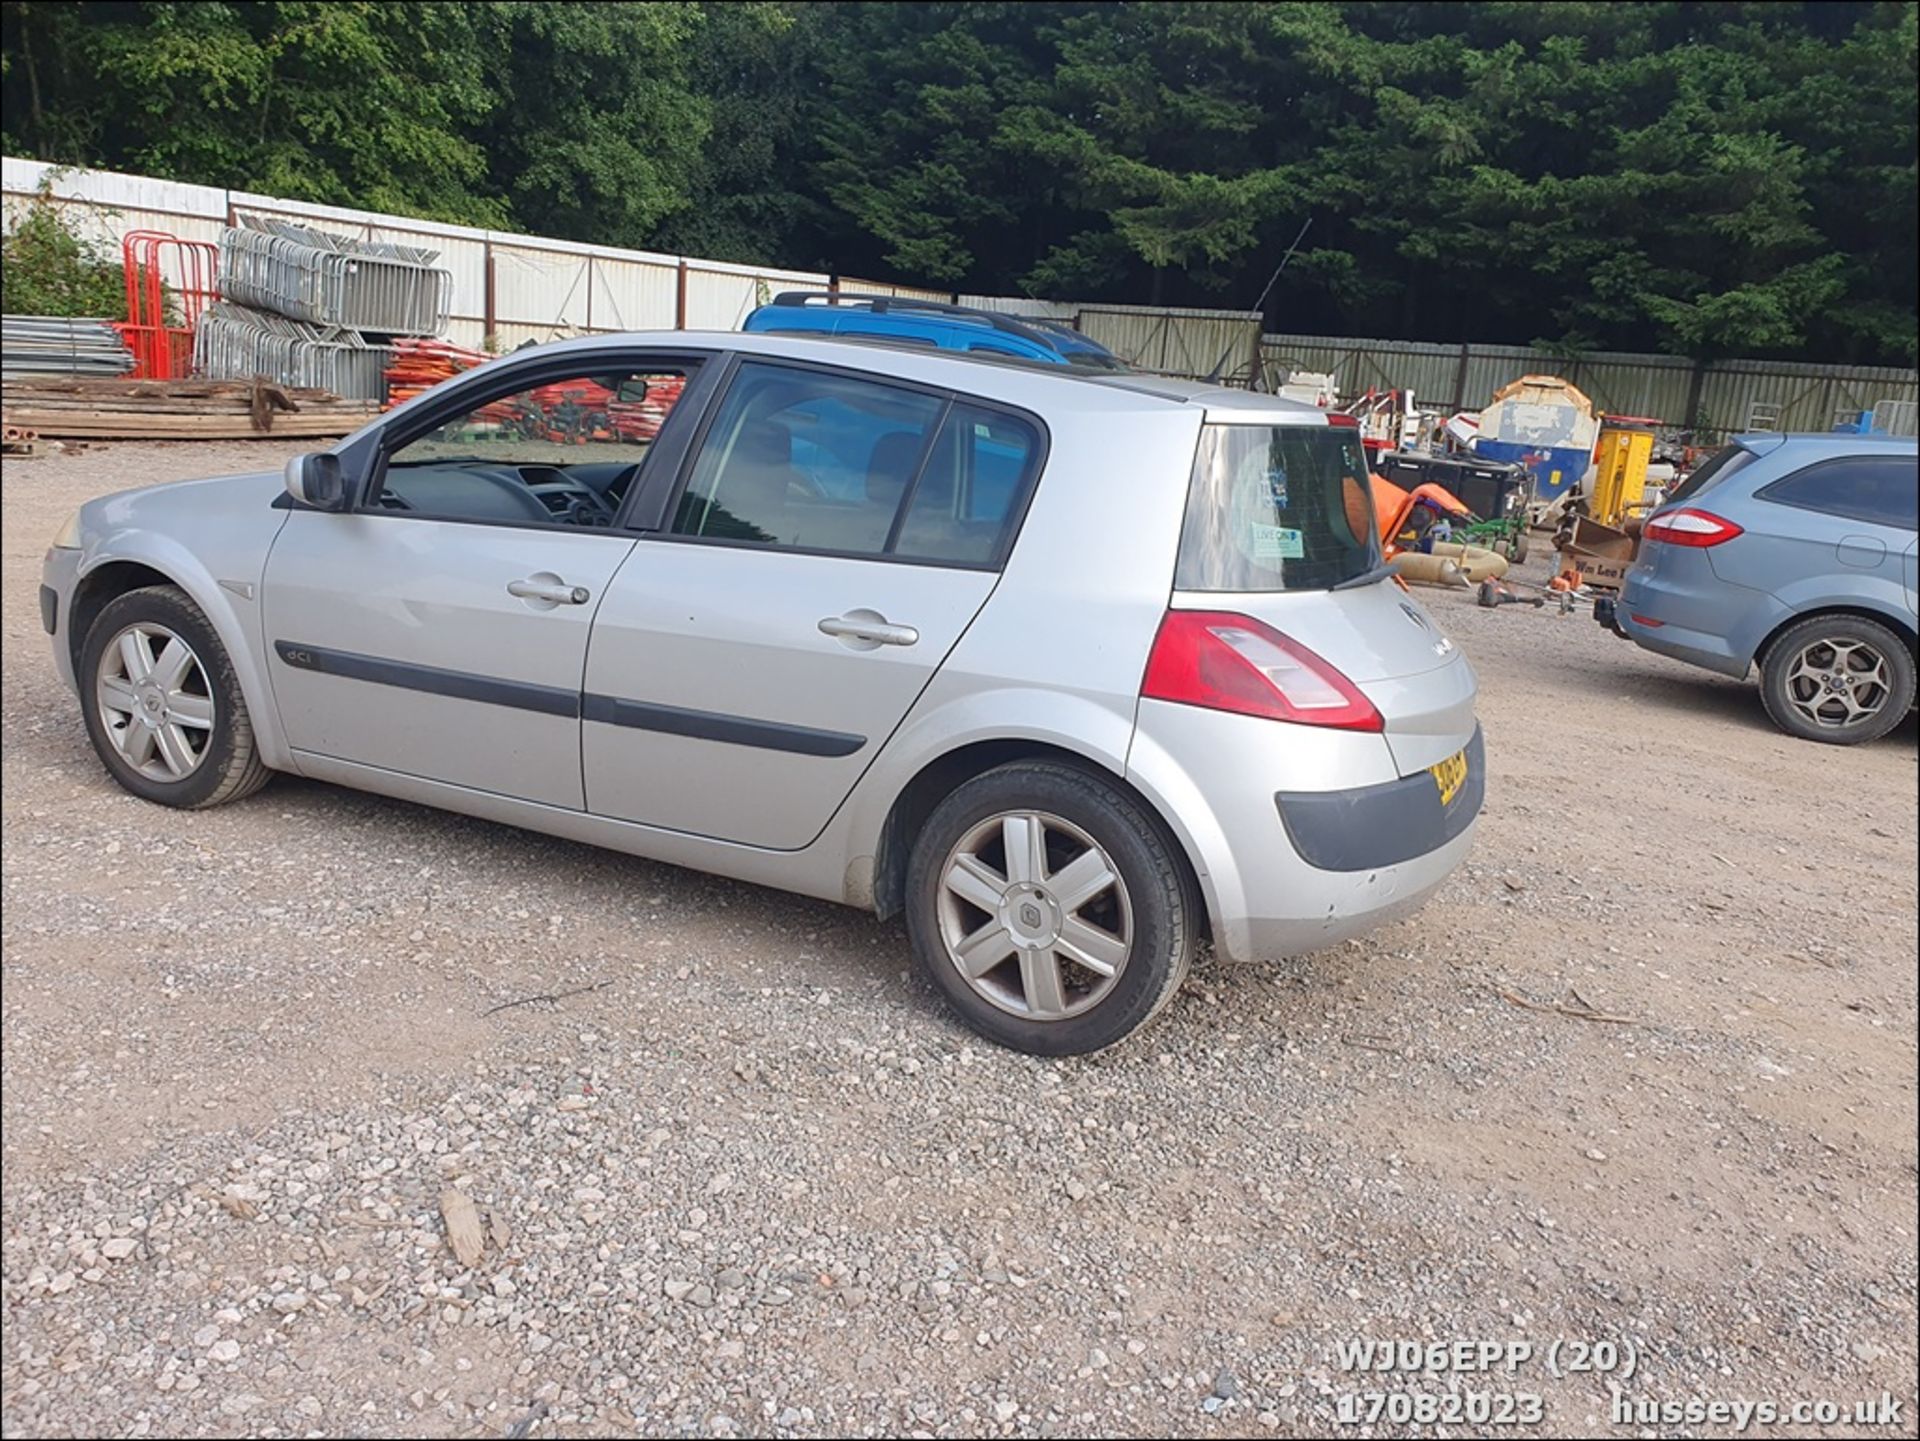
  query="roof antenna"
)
[
  {"x": 1258, "y": 379},
  {"x": 1260, "y": 304}
]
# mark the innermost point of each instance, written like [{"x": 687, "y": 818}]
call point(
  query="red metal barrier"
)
[{"x": 163, "y": 351}]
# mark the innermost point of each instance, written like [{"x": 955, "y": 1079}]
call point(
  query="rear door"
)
[
  {"x": 830, "y": 539},
  {"x": 1851, "y": 518}
]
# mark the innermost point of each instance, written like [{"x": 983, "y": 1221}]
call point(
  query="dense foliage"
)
[
  {"x": 1709, "y": 179},
  {"x": 46, "y": 269}
]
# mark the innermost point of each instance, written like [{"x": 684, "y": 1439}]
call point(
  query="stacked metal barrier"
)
[
  {"x": 304, "y": 307},
  {"x": 327, "y": 280},
  {"x": 236, "y": 342},
  {"x": 54, "y": 345}
]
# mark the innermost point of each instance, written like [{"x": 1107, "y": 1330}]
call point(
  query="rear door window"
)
[
  {"x": 968, "y": 498},
  {"x": 1879, "y": 489},
  {"x": 1276, "y": 507},
  {"x": 816, "y": 461}
]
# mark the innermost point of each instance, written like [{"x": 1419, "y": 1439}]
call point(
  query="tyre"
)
[
  {"x": 162, "y": 704},
  {"x": 1839, "y": 679},
  {"x": 1517, "y": 547},
  {"x": 1050, "y": 908}
]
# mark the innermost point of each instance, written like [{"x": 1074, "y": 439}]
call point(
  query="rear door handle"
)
[
  {"x": 549, "y": 588},
  {"x": 866, "y": 629}
]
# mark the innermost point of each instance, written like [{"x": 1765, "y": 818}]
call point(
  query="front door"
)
[
  {"x": 439, "y": 629},
  {"x": 833, "y": 538}
]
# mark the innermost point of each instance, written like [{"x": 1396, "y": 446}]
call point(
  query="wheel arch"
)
[
  {"x": 1900, "y": 626},
  {"x": 113, "y": 570},
  {"x": 940, "y": 777}
]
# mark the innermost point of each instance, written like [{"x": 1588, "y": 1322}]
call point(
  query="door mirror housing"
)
[
  {"x": 317, "y": 480},
  {"x": 629, "y": 389}
]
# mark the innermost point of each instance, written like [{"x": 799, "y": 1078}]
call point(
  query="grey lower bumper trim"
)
[{"x": 1372, "y": 826}]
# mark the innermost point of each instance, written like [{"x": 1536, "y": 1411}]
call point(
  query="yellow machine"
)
[{"x": 1620, "y": 469}]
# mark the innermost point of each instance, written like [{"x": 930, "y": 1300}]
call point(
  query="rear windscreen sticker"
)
[{"x": 1276, "y": 542}]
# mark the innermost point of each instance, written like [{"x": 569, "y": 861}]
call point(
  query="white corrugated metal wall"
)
[
  {"x": 1718, "y": 397},
  {"x": 542, "y": 289}
]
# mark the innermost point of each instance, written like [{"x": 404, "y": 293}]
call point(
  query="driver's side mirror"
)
[
  {"x": 628, "y": 389},
  {"x": 317, "y": 480}
]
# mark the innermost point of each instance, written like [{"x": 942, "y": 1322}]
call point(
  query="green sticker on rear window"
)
[{"x": 1276, "y": 542}]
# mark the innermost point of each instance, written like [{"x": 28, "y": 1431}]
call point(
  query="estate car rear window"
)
[{"x": 1276, "y": 507}]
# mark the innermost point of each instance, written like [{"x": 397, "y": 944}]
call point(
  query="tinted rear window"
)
[
  {"x": 1710, "y": 472},
  {"x": 1879, "y": 489},
  {"x": 1276, "y": 507}
]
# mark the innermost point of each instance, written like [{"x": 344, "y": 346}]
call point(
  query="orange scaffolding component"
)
[{"x": 163, "y": 347}]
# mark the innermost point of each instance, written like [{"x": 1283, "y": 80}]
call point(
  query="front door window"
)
[{"x": 564, "y": 452}]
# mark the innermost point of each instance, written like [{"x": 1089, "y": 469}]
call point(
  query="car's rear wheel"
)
[
  {"x": 1050, "y": 908},
  {"x": 1839, "y": 679},
  {"x": 162, "y": 704}
]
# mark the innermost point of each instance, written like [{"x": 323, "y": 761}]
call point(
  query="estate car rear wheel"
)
[
  {"x": 1049, "y": 908},
  {"x": 1840, "y": 679},
  {"x": 162, "y": 704}
]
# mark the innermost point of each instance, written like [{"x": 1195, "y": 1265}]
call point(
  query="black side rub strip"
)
[
  {"x": 461, "y": 685},
  {"x": 552, "y": 700},
  {"x": 712, "y": 726},
  {"x": 1383, "y": 825}
]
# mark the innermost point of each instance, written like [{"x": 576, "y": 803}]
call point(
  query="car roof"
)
[
  {"x": 1021, "y": 383},
  {"x": 1839, "y": 441}
]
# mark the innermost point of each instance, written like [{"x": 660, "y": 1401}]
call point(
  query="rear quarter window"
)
[
  {"x": 1878, "y": 489},
  {"x": 1710, "y": 472}
]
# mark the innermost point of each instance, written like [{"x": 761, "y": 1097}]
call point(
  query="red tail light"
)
[
  {"x": 1222, "y": 661},
  {"x": 1335, "y": 417},
  {"x": 1687, "y": 526}
]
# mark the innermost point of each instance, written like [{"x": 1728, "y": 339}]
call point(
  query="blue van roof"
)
[{"x": 931, "y": 323}]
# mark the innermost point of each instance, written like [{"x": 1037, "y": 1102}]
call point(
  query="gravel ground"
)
[{"x": 758, "y": 1183}]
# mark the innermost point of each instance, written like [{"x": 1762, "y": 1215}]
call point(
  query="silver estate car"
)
[{"x": 1076, "y": 671}]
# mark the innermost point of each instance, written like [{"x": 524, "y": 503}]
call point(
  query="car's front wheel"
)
[
  {"x": 1840, "y": 679},
  {"x": 1050, "y": 908},
  {"x": 162, "y": 704}
]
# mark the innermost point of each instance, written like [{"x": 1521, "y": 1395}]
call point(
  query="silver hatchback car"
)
[{"x": 1076, "y": 671}]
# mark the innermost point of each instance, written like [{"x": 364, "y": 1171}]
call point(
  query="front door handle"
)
[
  {"x": 549, "y": 588},
  {"x": 866, "y": 629}
]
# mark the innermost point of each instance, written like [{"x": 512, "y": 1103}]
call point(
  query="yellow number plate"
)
[{"x": 1450, "y": 775}]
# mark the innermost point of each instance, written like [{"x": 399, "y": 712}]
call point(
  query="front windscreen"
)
[{"x": 1277, "y": 507}]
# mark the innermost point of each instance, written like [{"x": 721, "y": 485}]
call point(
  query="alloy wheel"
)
[
  {"x": 1838, "y": 682},
  {"x": 156, "y": 702},
  {"x": 1034, "y": 915}
]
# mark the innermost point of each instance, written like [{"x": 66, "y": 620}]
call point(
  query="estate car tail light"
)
[
  {"x": 1688, "y": 526},
  {"x": 1335, "y": 417},
  {"x": 1222, "y": 661}
]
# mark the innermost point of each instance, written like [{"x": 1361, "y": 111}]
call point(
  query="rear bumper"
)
[
  {"x": 1367, "y": 827},
  {"x": 1682, "y": 616},
  {"x": 1256, "y": 801}
]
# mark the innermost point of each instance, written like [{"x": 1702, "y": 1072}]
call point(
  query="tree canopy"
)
[{"x": 1706, "y": 179}]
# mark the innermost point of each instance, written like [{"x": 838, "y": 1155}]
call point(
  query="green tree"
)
[
  {"x": 1735, "y": 178},
  {"x": 329, "y": 100},
  {"x": 594, "y": 132}
]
